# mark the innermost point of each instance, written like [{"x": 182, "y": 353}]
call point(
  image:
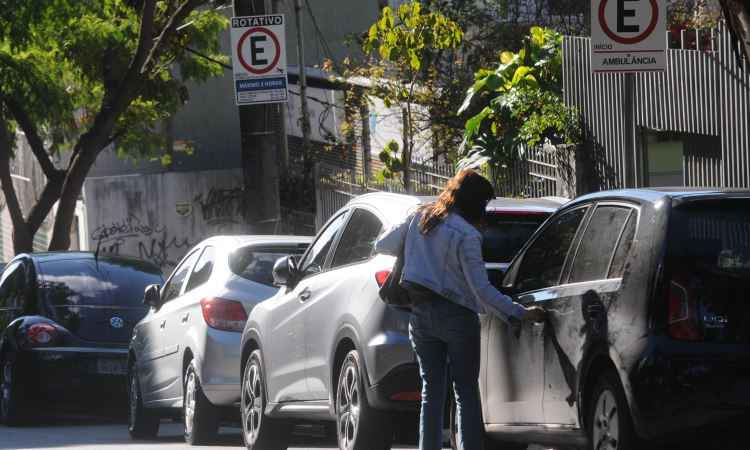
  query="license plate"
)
[{"x": 111, "y": 367}]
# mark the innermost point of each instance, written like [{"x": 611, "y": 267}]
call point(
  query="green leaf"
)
[{"x": 416, "y": 64}]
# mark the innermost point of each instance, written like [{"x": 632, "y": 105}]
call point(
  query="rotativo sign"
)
[
  {"x": 259, "y": 59},
  {"x": 628, "y": 36}
]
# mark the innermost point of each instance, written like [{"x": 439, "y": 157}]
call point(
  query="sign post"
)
[
  {"x": 628, "y": 36},
  {"x": 259, "y": 59}
]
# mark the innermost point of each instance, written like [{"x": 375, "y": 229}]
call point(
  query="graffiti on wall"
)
[
  {"x": 222, "y": 206},
  {"x": 134, "y": 237}
]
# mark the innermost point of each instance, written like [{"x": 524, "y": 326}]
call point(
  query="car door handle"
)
[
  {"x": 163, "y": 324},
  {"x": 185, "y": 318},
  {"x": 305, "y": 295}
]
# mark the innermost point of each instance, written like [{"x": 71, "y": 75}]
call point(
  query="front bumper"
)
[{"x": 78, "y": 374}]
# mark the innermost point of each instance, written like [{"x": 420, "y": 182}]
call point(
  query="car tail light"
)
[
  {"x": 381, "y": 276},
  {"x": 683, "y": 314},
  {"x": 227, "y": 315},
  {"x": 40, "y": 335},
  {"x": 407, "y": 396}
]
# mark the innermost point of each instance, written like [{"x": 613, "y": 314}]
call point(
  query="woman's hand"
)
[{"x": 535, "y": 314}]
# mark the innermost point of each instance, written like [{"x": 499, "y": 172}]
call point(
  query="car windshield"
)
[
  {"x": 506, "y": 233},
  {"x": 256, "y": 264},
  {"x": 88, "y": 282}
]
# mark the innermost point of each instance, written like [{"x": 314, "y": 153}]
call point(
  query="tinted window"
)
[
  {"x": 598, "y": 243},
  {"x": 358, "y": 241},
  {"x": 88, "y": 282},
  {"x": 202, "y": 271},
  {"x": 316, "y": 256},
  {"x": 505, "y": 234},
  {"x": 11, "y": 294},
  {"x": 172, "y": 289},
  {"x": 544, "y": 260},
  {"x": 623, "y": 248},
  {"x": 256, "y": 264}
]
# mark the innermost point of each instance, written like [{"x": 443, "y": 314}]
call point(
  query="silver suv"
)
[
  {"x": 184, "y": 355},
  {"x": 326, "y": 348}
]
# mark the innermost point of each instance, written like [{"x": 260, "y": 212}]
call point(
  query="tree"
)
[
  {"x": 404, "y": 71},
  {"x": 77, "y": 76},
  {"x": 521, "y": 103},
  {"x": 737, "y": 15}
]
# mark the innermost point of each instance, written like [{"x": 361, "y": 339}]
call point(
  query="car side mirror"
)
[
  {"x": 152, "y": 295},
  {"x": 285, "y": 271}
]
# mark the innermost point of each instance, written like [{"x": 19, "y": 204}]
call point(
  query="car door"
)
[
  {"x": 178, "y": 313},
  {"x": 157, "y": 378},
  {"x": 578, "y": 312},
  {"x": 284, "y": 343},
  {"x": 334, "y": 294},
  {"x": 514, "y": 383}
]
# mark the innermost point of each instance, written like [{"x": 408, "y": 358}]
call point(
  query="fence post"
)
[{"x": 319, "y": 205}]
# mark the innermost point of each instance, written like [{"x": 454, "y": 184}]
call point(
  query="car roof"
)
[
  {"x": 256, "y": 239},
  {"x": 44, "y": 257},
  {"x": 652, "y": 195},
  {"x": 392, "y": 203}
]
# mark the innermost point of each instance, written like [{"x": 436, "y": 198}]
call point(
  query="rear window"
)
[
  {"x": 102, "y": 283},
  {"x": 505, "y": 234},
  {"x": 256, "y": 264}
]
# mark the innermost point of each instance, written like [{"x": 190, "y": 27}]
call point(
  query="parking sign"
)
[
  {"x": 628, "y": 36},
  {"x": 259, "y": 59}
]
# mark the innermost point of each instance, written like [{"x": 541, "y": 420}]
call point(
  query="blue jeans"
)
[{"x": 442, "y": 331}]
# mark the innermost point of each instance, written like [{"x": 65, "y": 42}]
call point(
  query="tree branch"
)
[
  {"x": 6, "y": 180},
  {"x": 32, "y": 136},
  {"x": 43, "y": 206},
  {"x": 179, "y": 15}
]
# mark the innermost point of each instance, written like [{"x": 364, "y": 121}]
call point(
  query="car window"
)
[
  {"x": 358, "y": 241},
  {"x": 256, "y": 263},
  {"x": 11, "y": 293},
  {"x": 316, "y": 255},
  {"x": 598, "y": 243},
  {"x": 623, "y": 248},
  {"x": 543, "y": 261},
  {"x": 505, "y": 234},
  {"x": 105, "y": 282},
  {"x": 202, "y": 271},
  {"x": 172, "y": 289}
]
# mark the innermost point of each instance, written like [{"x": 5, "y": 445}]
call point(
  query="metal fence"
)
[{"x": 705, "y": 92}]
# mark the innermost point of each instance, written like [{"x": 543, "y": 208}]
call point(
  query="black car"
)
[
  {"x": 66, "y": 320},
  {"x": 648, "y": 331}
]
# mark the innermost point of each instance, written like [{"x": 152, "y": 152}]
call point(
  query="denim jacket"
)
[{"x": 448, "y": 261}]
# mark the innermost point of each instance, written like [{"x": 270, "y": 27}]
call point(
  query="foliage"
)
[
  {"x": 79, "y": 75},
  {"x": 403, "y": 45},
  {"x": 521, "y": 103},
  {"x": 393, "y": 163}
]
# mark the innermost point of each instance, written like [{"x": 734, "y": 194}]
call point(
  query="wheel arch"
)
[
  {"x": 346, "y": 340},
  {"x": 250, "y": 343}
]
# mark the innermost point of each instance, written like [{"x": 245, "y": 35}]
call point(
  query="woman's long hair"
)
[{"x": 467, "y": 194}]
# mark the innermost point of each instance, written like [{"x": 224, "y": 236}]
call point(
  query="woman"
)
[{"x": 447, "y": 282}]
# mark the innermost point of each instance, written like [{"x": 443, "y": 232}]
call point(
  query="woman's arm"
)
[{"x": 472, "y": 264}]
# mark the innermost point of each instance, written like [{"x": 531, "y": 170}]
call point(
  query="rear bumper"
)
[
  {"x": 399, "y": 390},
  {"x": 220, "y": 367},
  {"x": 78, "y": 374},
  {"x": 676, "y": 391}
]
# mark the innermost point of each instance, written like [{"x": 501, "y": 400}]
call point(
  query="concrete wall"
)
[{"x": 159, "y": 217}]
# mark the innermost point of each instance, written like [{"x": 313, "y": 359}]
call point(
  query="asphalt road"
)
[{"x": 89, "y": 433}]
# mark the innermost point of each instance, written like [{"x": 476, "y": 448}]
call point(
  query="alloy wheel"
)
[
  {"x": 190, "y": 402},
  {"x": 348, "y": 407},
  {"x": 606, "y": 422},
  {"x": 252, "y": 403}
]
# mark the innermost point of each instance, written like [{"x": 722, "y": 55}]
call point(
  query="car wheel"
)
[
  {"x": 142, "y": 423},
  {"x": 488, "y": 443},
  {"x": 359, "y": 427},
  {"x": 609, "y": 425},
  {"x": 258, "y": 430},
  {"x": 200, "y": 416}
]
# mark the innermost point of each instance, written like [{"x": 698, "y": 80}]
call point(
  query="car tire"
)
[
  {"x": 201, "y": 418},
  {"x": 12, "y": 412},
  {"x": 358, "y": 426},
  {"x": 258, "y": 430},
  {"x": 608, "y": 422},
  {"x": 142, "y": 423},
  {"x": 488, "y": 443}
]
